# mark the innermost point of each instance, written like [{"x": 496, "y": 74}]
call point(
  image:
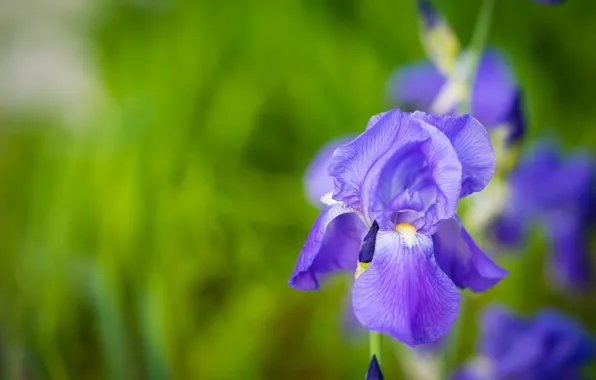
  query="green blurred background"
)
[{"x": 151, "y": 163}]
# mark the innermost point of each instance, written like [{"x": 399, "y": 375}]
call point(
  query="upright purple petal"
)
[
  {"x": 496, "y": 99},
  {"x": 374, "y": 119},
  {"x": 495, "y": 89},
  {"x": 333, "y": 244},
  {"x": 419, "y": 173},
  {"x": 352, "y": 162},
  {"x": 317, "y": 181},
  {"x": 415, "y": 86},
  {"x": 404, "y": 293},
  {"x": 462, "y": 260},
  {"x": 473, "y": 147}
]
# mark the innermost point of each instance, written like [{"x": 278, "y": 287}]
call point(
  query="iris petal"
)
[
  {"x": 473, "y": 147},
  {"x": 495, "y": 89},
  {"x": 568, "y": 343},
  {"x": 373, "y": 120},
  {"x": 415, "y": 86},
  {"x": 352, "y": 162},
  {"x": 549, "y": 1},
  {"x": 462, "y": 260},
  {"x": 495, "y": 94},
  {"x": 571, "y": 260},
  {"x": 317, "y": 181},
  {"x": 333, "y": 244},
  {"x": 419, "y": 157},
  {"x": 404, "y": 293},
  {"x": 510, "y": 342},
  {"x": 547, "y": 346}
]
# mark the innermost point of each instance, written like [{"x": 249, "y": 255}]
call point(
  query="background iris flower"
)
[
  {"x": 434, "y": 85},
  {"x": 150, "y": 221},
  {"x": 547, "y": 346},
  {"x": 554, "y": 191},
  {"x": 550, "y": 1},
  {"x": 405, "y": 175}
]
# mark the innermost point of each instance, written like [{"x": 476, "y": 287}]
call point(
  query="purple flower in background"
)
[
  {"x": 546, "y": 346},
  {"x": 496, "y": 98},
  {"x": 401, "y": 180},
  {"x": 555, "y": 192},
  {"x": 317, "y": 181},
  {"x": 549, "y": 1},
  {"x": 374, "y": 370},
  {"x": 435, "y": 85}
]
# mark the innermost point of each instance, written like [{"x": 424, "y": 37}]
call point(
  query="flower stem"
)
[
  {"x": 475, "y": 51},
  {"x": 375, "y": 339}
]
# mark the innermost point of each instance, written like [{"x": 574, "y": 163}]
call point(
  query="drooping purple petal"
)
[
  {"x": 333, "y": 244},
  {"x": 462, "y": 260},
  {"x": 473, "y": 146},
  {"x": 404, "y": 293},
  {"x": 570, "y": 257},
  {"x": 415, "y": 86},
  {"x": 317, "y": 181},
  {"x": 513, "y": 346},
  {"x": 495, "y": 89}
]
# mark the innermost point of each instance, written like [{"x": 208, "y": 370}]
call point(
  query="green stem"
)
[
  {"x": 375, "y": 339},
  {"x": 477, "y": 45}
]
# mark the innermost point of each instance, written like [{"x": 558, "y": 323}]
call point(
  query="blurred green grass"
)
[{"x": 155, "y": 240}]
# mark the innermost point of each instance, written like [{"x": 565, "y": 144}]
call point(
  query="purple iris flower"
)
[
  {"x": 496, "y": 97},
  {"x": 555, "y": 192},
  {"x": 317, "y": 181},
  {"x": 548, "y": 346},
  {"x": 391, "y": 219},
  {"x": 374, "y": 370},
  {"x": 549, "y": 1}
]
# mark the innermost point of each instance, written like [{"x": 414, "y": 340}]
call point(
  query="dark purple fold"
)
[{"x": 462, "y": 260}]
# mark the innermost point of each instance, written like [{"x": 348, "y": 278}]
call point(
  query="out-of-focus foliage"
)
[{"x": 152, "y": 235}]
